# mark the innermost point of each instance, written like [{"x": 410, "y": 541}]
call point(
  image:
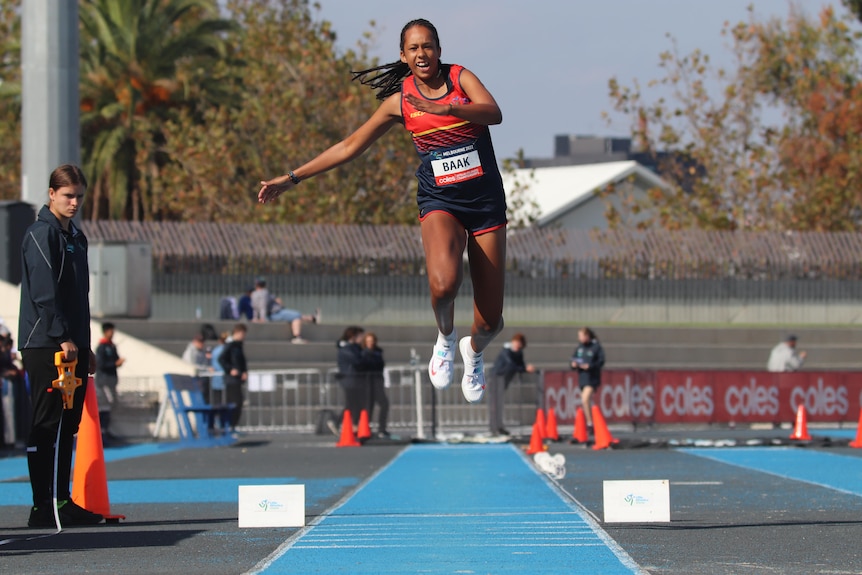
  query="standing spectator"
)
[
  {"x": 588, "y": 360},
  {"x": 217, "y": 378},
  {"x": 19, "y": 391},
  {"x": 10, "y": 379},
  {"x": 784, "y": 356},
  {"x": 233, "y": 364},
  {"x": 107, "y": 362},
  {"x": 509, "y": 363},
  {"x": 372, "y": 359},
  {"x": 197, "y": 354},
  {"x": 55, "y": 317},
  {"x": 350, "y": 368}
]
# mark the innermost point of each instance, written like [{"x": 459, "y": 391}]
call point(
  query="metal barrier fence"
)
[{"x": 293, "y": 399}]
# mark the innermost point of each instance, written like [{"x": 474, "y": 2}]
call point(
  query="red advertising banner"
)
[{"x": 637, "y": 396}]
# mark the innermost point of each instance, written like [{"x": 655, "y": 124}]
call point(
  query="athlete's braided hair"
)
[{"x": 386, "y": 79}]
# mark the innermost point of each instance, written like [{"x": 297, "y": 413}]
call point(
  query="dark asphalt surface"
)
[{"x": 724, "y": 519}]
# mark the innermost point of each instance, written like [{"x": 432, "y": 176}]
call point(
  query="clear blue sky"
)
[{"x": 548, "y": 62}]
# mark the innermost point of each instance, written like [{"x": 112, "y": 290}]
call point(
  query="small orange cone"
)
[
  {"x": 90, "y": 481},
  {"x": 580, "y": 432},
  {"x": 540, "y": 421},
  {"x": 348, "y": 439},
  {"x": 858, "y": 442},
  {"x": 800, "y": 431},
  {"x": 551, "y": 431},
  {"x": 364, "y": 428},
  {"x": 536, "y": 444},
  {"x": 604, "y": 439}
]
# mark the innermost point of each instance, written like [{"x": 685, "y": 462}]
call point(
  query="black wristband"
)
[{"x": 293, "y": 177}]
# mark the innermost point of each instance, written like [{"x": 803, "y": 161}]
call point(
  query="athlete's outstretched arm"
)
[
  {"x": 482, "y": 109},
  {"x": 387, "y": 115}
]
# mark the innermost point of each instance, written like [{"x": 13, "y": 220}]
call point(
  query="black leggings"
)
[{"x": 48, "y": 410}]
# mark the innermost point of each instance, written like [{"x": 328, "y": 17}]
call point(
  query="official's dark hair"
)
[
  {"x": 351, "y": 332},
  {"x": 106, "y": 326},
  {"x": 590, "y": 333},
  {"x": 67, "y": 175},
  {"x": 386, "y": 79},
  {"x": 520, "y": 337}
]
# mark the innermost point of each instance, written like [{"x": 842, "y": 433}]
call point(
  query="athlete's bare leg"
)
[
  {"x": 487, "y": 253},
  {"x": 444, "y": 240}
]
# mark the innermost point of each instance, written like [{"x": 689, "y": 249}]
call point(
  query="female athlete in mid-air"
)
[{"x": 461, "y": 199}]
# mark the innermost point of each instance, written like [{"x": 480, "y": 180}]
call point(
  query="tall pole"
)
[{"x": 51, "y": 133}]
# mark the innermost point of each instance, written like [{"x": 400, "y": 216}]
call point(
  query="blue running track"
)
[
  {"x": 453, "y": 509},
  {"x": 839, "y": 472}
]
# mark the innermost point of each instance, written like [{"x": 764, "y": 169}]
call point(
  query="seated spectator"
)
[
  {"x": 244, "y": 305},
  {"x": 228, "y": 308},
  {"x": 266, "y": 307}
]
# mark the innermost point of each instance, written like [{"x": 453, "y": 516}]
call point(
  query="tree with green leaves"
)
[
  {"x": 297, "y": 100},
  {"x": 10, "y": 99},
  {"x": 769, "y": 145},
  {"x": 141, "y": 62}
]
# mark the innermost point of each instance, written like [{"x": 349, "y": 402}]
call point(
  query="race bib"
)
[{"x": 457, "y": 168}]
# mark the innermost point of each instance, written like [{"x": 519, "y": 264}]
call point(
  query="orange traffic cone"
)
[
  {"x": 348, "y": 439},
  {"x": 536, "y": 444},
  {"x": 90, "y": 481},
  {"x": 551, "y": 431},
  {"x": 800, "y": 431},
  {"x": 604, "y": 439},
  {"x": 364, "y": 428},
  {"x": 580, "y": 432},
  {"x": 540, "y": 421},
  {"x": 858, "y": 442}
]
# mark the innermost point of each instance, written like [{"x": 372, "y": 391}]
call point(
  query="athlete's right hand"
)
[{"x": 271, "y": 189}]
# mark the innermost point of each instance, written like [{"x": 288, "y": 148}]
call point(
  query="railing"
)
[{"x": 291, "y": 400}]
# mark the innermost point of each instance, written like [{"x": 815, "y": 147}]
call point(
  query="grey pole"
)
[{"x": 51, "y": 132}]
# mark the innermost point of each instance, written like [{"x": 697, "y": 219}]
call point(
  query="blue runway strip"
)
[
  {"x": 453, "y": 509},
  {"x": 16, "y": 467},
  {"x": 839, "y": 472}
]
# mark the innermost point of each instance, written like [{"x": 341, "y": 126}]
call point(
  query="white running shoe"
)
[
  {"x": 473, "y": 382},
  {"x": 441, "y": 368}
]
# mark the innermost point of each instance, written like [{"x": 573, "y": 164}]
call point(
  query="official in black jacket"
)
[
  {"x": 351, "y": 366},
  {"x": 588, "y": 359},
  {"x": 55, "y": 316},
  {"x": 373, "y": 364},
  {"x": 233, "y": 363}
]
